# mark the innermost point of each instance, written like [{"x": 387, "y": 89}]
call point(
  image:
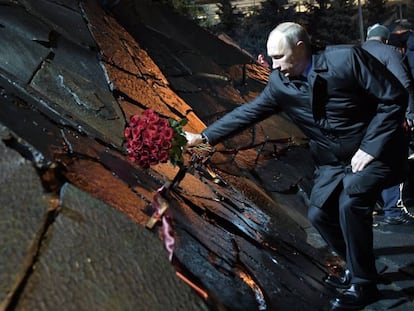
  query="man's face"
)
[{"x": 290, "y": 61}]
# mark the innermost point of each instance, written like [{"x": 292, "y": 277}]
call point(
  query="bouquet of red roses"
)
[{"x": 151, "y": 139}]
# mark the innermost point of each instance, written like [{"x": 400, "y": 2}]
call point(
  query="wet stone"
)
[
  {"x": 68, "y": 21},
  {"x": 80, "y": 60},
  {"x": 233, "y": 293},
  {"x": 279, "y": 176},
  {"x": 96, "y": 258},
  {"x": 81, "y": 99},
  {"x": 31, "y": 53},
  {"x": 17, "y": 20},
  {"x": 21, "y": 212}
]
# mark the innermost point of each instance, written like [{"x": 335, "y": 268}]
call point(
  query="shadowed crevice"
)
[{"x": 12, "y": 297}]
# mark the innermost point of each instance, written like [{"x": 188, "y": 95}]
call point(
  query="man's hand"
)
[
  {"x": 360, "y": 160},
  {"x": 410, "y": 124},
  {"x": 409, "y": 117},
  {"x": 193, "y": 139}
]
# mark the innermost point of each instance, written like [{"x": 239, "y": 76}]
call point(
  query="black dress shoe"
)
[
  {"x": 405, "y": 218},
  {"x": 356, "y": 297},
  {"x": 339, "y": 281}
]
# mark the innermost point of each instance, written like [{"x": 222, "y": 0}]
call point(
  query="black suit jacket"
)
[{"x": 348, "y": 102}]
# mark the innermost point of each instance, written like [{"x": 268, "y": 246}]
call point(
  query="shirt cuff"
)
[{"x": 204, "y": 138}]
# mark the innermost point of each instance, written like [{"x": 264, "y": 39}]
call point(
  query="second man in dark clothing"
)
[{"x": 393, "y": 60}]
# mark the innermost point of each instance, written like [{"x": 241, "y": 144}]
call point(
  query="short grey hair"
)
[{"x": 293, "y": 33}]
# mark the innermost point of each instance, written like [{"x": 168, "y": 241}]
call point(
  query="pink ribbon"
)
[{"x": 159, "y": 204}]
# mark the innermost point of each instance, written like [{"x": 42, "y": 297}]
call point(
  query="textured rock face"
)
[
  {"x": 74, "y": 207},
  {"x": 23, "y": 206},
  {"x": 95, "y": 258},
  {"x": 43, "y": 38}
]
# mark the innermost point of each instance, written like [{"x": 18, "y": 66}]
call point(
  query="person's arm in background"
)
[
  {"x": 410, "y": 109},
  {"x": 397, "y": 63},
  {"x": 400, "y": 69},
  {"x": 409, "y": 58}
]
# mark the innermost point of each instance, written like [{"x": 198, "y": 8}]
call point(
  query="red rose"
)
[
  {"x": 163, "y": 123},
  {"x": 146, "y": 138},
  {"x": 153, "y": 161},
  {"x": 150, "y": 139},
  {"x": 137, "y": 144},
  {"x": 158, "y": 139},
  {"x": 166, "y": 144},
  {"x": 127, "y": 132},
  {"x": 150, "y": 116},
  {"x": 136, "y": 133},
  {"x": 152, "y": 130},
  {"x": 153, "y": 150},
  {"x": 133, "y": 120},
  {"x": 163, "y": 156},
  {"x": 153, "y": 119},
  {"x": 148, "y": 112},
  {"x": 167, "y": 133},
  {"x": 143, "y": 158}
]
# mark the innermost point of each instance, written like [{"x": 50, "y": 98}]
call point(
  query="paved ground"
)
[{"x": 394, "y": 246}]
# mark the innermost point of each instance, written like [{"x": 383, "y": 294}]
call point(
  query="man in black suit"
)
[
  {"x": 376, "y": 45},
  {"x": 351, "y": 109}
]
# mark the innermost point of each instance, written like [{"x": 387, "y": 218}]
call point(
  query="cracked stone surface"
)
[
  {"x": 95, "y": 258},
  {"x": 23, "y": 207}
]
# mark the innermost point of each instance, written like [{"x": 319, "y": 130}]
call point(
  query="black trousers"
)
[{"x": 345, "y": 222}]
